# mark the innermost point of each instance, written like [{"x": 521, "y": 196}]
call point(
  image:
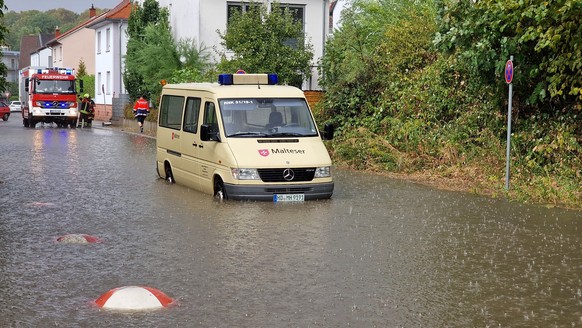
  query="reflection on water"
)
[
  {"x": 49, "y": 143},
  {"x": 380, "y": 253}
]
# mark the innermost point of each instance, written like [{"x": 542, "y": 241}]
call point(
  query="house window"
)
[
  {"x": 99, "y": 83},
  {"x": 297, "y": 11},
  {"x": 108, "y": 83},
  {"x": 99, "y": 42},
  {"x": 108, "y": 40},
  {"x": 236, "y": 7},
  {"x": 60, "y": 54}
]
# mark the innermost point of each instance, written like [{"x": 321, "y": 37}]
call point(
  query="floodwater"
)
[{"x": 380, "y": 253}]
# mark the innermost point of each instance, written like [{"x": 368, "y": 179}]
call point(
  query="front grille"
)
[
  {"x": 288, "y": 190},
  {"x": 278, "y": 175}
]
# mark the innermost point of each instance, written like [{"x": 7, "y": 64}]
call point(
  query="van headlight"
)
[
  {"x": 323, "y": 172},
  {"x": 245, "y": 174}
]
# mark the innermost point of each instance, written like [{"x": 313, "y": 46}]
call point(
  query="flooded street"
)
[{"x": 380, "y": 253}]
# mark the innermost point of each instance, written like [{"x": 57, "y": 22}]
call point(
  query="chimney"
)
[
  {"x": 92, "y": 11},
  {"x": 57, "y": 32}
]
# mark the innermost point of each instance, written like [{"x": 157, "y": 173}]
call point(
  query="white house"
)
[
  {"x": 199, "y": 20},
  {"x": 41, "y": 57},
  {"x": 110, "y": 48}
]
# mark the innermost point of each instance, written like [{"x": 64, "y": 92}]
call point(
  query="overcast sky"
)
[{"x": 77, "y": 6}]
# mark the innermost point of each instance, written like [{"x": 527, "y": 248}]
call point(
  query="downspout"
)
[
  {"x": 325, "y": 22},
  {"x": 120, "y": 61}
]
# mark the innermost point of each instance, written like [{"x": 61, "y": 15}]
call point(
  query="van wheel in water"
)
[
  {"x": 219, "y": 191},
  {"x": 169, "y": 175}
]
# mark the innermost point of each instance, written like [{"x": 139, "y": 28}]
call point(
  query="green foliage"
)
[
  {"x": 82, "y": 69},
  {"x": 379, "y": 45},
  {"x": 156, "y": 59},
  {"x": 88, "y": 85},
  {"x": 153, "y": 55},
  {"x": 402, "y": 105},
  {"x": 194, "y": 62},
  {"x": 545, "y": 38},
  {"x": 3, "y": 70},
  {"x": 33, "y": 22},
  {"x": 12, "y": 87},
  {"x": 150, "y": 44},
  {"x": 267, "y": 42}
]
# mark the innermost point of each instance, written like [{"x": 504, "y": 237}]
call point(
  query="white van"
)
[{"x": 243, "y": 138}]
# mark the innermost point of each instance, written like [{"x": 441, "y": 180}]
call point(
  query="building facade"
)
[
  {"x": 11, "y": 58},
  {"x": 77, "y": 45},
  {"x": 199, "y": 20},
  {"x": 110, "y": 46}
]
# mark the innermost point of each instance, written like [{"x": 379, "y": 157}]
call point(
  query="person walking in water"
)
[{"x": 141, "y": 109}]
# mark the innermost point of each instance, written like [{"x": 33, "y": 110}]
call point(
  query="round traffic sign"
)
[{"x": 509, "y": 71}]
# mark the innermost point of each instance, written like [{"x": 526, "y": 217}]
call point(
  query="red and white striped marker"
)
[
  {"x": 78, "y": 239},
  {"x": 133, "y": 298}
]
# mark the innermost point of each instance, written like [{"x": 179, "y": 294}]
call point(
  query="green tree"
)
[
  {"x": 378, "y": 47},
  {"x": 88, "y": 80},
  {"x": 82, "y": 70},
  {"x": 194, "y": 62},
  {"x": 267, "y": 42},
  {"x": 142, "y": 25},
  {"x": 153, "y": 55},
  {"x": 545, "y": 38},
  {"x": 3, "y": 31},
  {"x": 33, "y": 22},
  {"x": 155, "y": 60}
]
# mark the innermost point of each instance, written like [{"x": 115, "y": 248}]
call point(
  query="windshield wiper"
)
[{"x": 248, "y": 134}]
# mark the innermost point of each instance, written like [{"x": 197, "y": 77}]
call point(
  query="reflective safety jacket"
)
[
  {"x": 87, "y": 106},
  {"x": 141, "y": 107}
]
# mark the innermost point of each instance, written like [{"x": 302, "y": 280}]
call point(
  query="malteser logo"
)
[
  {"x": 264, "y": 152},
  {"x": 287, "y": 151}
]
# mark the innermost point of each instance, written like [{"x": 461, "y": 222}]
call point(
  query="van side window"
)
[
  {"x": 210, "y": 116},
  {"x": 171, "y": 112},
  {"x": 191, "y": 114}
]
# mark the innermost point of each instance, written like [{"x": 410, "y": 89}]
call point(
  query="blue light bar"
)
[
  {"x": 248, "y": 79},
  {"x": 225, "y": 79},
  {"x": 273, "y": 79}
]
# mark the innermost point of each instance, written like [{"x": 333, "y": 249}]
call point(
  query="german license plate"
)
[
  {"x": 288, "y": 197},
  {"x": 55, "y": 111}
]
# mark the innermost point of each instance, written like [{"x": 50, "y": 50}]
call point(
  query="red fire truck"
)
[{"x": 48, "y": 94}]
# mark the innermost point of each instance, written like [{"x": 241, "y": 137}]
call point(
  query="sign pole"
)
[{"x": 508, "y": 79}]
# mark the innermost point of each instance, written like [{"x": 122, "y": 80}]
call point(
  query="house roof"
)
[
  {"x": 75, "y": 29},
  {"x": 30, "y": 44},
  {"x": 120, "y": 12}
]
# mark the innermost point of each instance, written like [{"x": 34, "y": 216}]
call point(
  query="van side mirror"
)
[
  {"x": 208, "y": 132},
  {"x": 80, "y": 86},
  {"x": 26, "y": 82},
  {"x": 328, "y": 130}
]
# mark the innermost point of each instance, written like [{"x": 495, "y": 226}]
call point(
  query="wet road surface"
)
[{"x": 380, "y": 253}]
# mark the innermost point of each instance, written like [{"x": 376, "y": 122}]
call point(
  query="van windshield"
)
[{"x": 267, "y": 117}]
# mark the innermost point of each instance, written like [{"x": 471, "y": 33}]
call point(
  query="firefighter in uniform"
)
[
  {"x": 141, "y": 109},
  {"x": 87, "y": 111}
]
